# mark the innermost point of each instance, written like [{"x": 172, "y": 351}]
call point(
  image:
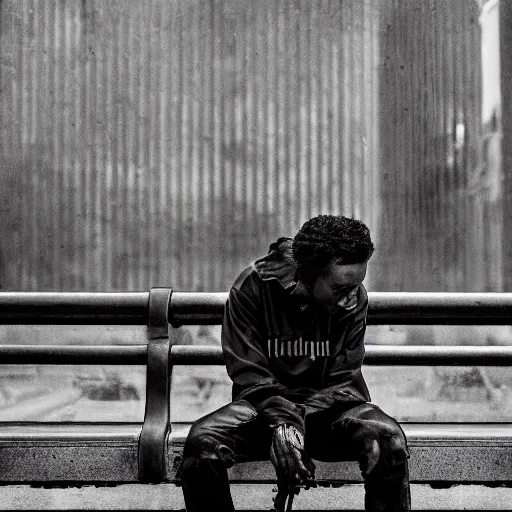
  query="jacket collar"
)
[{"x": 278, "y": 264}]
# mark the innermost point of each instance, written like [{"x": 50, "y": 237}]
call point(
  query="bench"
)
[
  {"x": 73, "y": 454},
  {"x": 441, "y": 455}
]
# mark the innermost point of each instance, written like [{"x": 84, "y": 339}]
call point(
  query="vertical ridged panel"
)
[
  {"x": 168, "y": 142},
  {"x": 430, "y": 134}
]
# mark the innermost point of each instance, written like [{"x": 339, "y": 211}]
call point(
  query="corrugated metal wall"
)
[
  {"x": 167, "y": 142},
  {"x": 430, "y": 126}
]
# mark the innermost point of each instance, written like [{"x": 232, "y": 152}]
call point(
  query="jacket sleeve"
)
[
  {"x": 247, "y": 364},
  {"x": 344, "y": 381}
]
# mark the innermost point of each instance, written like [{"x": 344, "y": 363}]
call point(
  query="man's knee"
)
[
  {"x": 381, "y": 441},
  {"x": 394, "y": 449},
  {"x": 384, "y": 458},
  {"x": 203, "y": 443},
  {"x": 211, "y": 437},
  {"x": 204, "y": 457}
]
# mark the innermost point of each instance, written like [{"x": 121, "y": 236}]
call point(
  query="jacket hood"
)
[{"x": 278, "y": 264}]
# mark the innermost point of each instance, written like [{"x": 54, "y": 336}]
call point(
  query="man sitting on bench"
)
[{"x": 293, "y": 344}]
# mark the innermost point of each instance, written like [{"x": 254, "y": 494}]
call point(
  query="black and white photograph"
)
[{"x": 256, "y": 255}]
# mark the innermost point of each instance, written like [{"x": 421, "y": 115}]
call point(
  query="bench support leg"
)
[{"x": 156, "y": 427}]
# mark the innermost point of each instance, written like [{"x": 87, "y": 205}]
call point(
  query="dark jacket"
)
[{"x": 284, "y": 353}]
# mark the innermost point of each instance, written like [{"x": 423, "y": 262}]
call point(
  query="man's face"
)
[{"x": 339, "y": 285}]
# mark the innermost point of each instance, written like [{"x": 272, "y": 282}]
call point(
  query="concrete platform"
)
[{"x": 246, "y": 497}]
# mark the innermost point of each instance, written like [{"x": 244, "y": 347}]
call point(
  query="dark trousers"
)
[{"x": 348, "y": 431}]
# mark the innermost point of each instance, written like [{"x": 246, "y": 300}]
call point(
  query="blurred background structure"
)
[{"x": 169, "y": 142}]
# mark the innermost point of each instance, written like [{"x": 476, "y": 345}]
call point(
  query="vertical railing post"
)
[{"x": 156, "y": 427}]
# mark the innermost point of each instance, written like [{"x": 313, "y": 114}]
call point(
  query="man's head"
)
[{"x": 331, "y": 253}]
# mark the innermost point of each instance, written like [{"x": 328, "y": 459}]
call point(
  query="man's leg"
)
[
  {"x": 365, "y": 433},
  {"x": 233, "y": 433}
]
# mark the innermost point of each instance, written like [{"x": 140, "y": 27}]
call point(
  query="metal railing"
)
[
  {"x": 376, "y": 355},
  {"x": 162, "y": 307},
  {"x": 193, "y": 308}
]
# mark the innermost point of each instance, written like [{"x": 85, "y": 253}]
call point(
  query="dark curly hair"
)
[{"x": 327, "y": 237}]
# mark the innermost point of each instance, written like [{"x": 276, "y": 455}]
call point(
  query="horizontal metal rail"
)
[
  {"x": 192, "y": 308},
  {"x": 130, "y": 308},
  {"x": 379, "y": 355},
  {"x": 74, "y": 354},
  {"x": 376, "y": 355}
]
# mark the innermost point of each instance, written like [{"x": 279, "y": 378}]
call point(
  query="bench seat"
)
[
  {"x": 441, "y": 454},
  {"x": 73, "y": 454}
]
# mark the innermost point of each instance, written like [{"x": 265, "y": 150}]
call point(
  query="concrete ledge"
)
[
  {"x": 440, "y": 453},
  {"x": 69, "y": 452},
  {"x": 74, "y": 454}
]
